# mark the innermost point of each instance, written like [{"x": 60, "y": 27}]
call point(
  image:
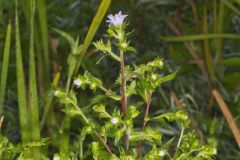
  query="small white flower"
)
[
  {"x": 77, "y": 82},
  {"x": 114, "y": 120},
  {"x": 56, "y": 158},
  {"x": 56, "y": 93},
  {"x": 116, "y": 19},
  {"x": 185, "y": 117},
  {"x": 161, "y": 153},
  {"x": 154, "y": 77}
]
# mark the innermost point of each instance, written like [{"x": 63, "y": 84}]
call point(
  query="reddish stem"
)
[
  {"x": 123, "y": 82},
  {"x": 149, "y": 99},
  {"x": 104, "y": 143},
  {"x": 123, "y": 97}
]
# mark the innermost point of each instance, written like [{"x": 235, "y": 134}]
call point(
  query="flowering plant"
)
[{"x": 119, "y": 127}]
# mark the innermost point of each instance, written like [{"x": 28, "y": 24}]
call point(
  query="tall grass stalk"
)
[
  {"x": 208, "y": 56},
  {"x": 42, "y": 16},
  {"x": 199, "y": 37},
  {"x": 33, "y": 95},
  {"x": 219, "y": 40},
  {"x": 22, "y": 103},
  {"x": 5, "y": 63}
]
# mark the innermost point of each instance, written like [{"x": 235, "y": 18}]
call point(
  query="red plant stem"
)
[
  {"x": 123, "y": 82},
  {"x": 123, "y": 97},
  {"x": 149, "y": 99},
  {"x": 104, "y": 143}
]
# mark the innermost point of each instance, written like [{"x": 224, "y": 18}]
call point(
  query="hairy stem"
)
[
  {"x": 149, "y": 99},
  {"x": 104, "y": 143},
  {"x": 123, "y": 83},
  {"x": 123, "y": 96}
]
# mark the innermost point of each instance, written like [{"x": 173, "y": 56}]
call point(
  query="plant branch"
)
[
  {"x": 123, "y": 96},
  {"x": 149, "y": 99},
  {"x": 104, "y": 143},
  {"x": 123, "y": 83},
  {"x": 227, "y": 114}
]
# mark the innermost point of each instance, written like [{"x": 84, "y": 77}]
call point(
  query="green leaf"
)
[
  {"x": 67, "y": 36},
  {"x": 131, "y": 89},
  {"x": 102, "y": 10},
  {"x": 178, "y": 116},
  {"x": 232, "y": 62},
  {"x": 200, "y": 37},
  {"x": 231, "y": 6},
  {"x": 71, "y": 111},
  {"x": 5, "y": 63},
  {"x": 42, "y": 17},
  {"x": 166, "y": 78},
  {"x": 21, "y": 92},
  {"x": 33, "y": 98},
  {"x": 101, "y": 110}
]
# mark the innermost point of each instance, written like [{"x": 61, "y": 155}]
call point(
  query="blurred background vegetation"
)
[{"x": 199, "y": 38}]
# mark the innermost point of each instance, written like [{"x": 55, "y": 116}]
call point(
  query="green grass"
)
[
  {"x": 4, "y": 71},
  {"x": 33, "y": 94},
  {"x": 21, "y": 88}
]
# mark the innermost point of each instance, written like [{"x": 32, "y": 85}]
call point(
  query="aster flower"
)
[{"x": 116, "y": 19}]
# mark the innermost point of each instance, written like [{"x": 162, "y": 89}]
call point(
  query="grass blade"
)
[
  {"x": 102, "y": 10},
  {"x": 199, "y": 37},
  {"x": 4, "y": 72},
  {"x": 33, "y": 95},
  {"x": 42, "y": 16},
  {"x": 228, "y": 115},
  {"x": 49, "y": 102},
  {"x": 22, "y": 103},
  {"x": 231, "y": 6},
  {"x": 207, "y": 50},
  {"x": 219, "y": 41}
]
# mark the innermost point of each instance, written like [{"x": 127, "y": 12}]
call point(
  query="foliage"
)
[{"x": 107, "y": 109}]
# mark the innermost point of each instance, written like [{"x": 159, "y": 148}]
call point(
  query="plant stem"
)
[
  {"x": 66, "y": 124},
  {"x": 149, "y": 99},
  {"x": 123, "y": 97},
  {"x": 180, "y": 138},
  {"x": 49, "y": 102},
  {"x": 104, "y": 143},
  {"x": 114, "y": 56},
  {"x": 179, "y": 142},
  {"x": 123, "y": 83}
]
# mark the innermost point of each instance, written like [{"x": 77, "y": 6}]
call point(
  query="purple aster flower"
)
[{"x": 116, "y": 19}]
